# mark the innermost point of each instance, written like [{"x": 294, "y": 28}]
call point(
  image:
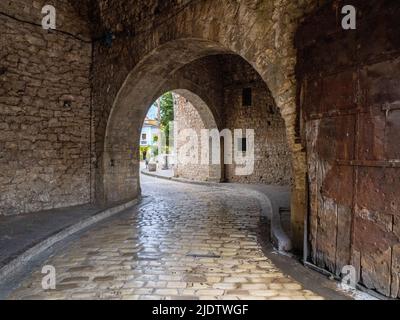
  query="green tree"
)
[
  {"x": 166, "y": 114},
  {"x": 154, "y": 150}
]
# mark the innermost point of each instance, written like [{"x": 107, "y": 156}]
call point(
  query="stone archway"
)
[
  {"x": 117, "y": 178},
  {"x": 262, "y": 32}
]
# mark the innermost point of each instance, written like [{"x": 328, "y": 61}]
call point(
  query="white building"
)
[{"x": 150, "y": 130}]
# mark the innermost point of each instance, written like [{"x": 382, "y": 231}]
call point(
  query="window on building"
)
[
  {"x": 247, "y": 97},
  {"x": 144, "y": 136},
  {"x": 242, "y": 144}
]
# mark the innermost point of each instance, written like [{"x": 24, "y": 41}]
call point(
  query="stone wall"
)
[
  {"x": 44, "y": 141},
  {"x": 272, "y": 157},
  {"x": 187, "y": 117}
]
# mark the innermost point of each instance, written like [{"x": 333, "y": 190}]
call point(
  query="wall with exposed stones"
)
[
  {"x": 272, "y": 157},
  {"x": 44, "y": 144},
  {"x": 188, "y": 163}
]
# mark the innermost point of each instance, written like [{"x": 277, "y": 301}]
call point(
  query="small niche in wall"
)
[
  {"x": 247, "y": 97},
  {"x": 67, "y": 101},
  {"x": 242, "y": 144},
  {"x": 3, "y": 70}
]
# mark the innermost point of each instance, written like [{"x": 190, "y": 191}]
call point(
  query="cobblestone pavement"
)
[{"x": 189, "y": 242}]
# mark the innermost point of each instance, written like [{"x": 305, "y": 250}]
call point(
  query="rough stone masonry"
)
[
  {"x": 272, "y": 156},
  {"x": 44, "y": 109}
]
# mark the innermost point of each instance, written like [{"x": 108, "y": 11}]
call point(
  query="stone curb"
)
[
  {"x": 268, "y": 208},
  {"x": 279, "y": 238},
  {"x": 16, "y": 264},
  {"x": 203, "y": 183}
]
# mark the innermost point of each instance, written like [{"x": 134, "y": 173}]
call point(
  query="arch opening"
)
[
  {"x": 117, "y": 179},
  {"x": 221, "y": 78},
  {"x": 173, "y": 118}
]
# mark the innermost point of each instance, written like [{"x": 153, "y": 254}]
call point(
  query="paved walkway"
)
[
  {"x": 278, "y": 197},
  {"x": 189, "y": 242},
  {"x": 19, "y": 233}
]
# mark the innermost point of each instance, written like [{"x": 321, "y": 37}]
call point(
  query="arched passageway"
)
[
  {"x": 69, "y": 94},
  {"x": 224, "y": 88},
  {"x": 260, "y": 32},
  {"x": 142, "y": 86}
]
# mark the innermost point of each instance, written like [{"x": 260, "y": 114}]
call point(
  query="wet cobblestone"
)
[{"x": 188, "y": 242}]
